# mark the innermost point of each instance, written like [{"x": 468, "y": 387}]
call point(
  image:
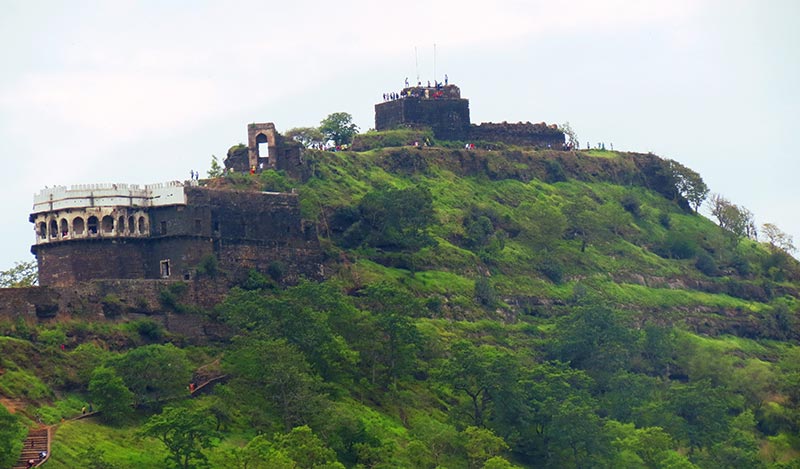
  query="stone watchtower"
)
[{"x": 439, "y": 107}]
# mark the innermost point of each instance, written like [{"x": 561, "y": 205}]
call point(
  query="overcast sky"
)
[{"x": 144, "y": 92}]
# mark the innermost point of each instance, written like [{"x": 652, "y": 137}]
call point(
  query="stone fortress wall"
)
[
  {"x": 164, "y": 231},
  {"x": 444, "y": 110}
]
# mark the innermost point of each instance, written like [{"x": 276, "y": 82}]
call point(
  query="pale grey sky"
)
[{"x": 145, "y": 91}]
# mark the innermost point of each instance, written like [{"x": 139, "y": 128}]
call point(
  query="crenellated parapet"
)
[{"x": 87, "y": 211}]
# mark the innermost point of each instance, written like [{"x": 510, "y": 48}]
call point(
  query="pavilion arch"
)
[
  {"x": 42, "y": 230},
  {"x": 92, "y": 225},
  {"x": 121, "y": 225},
  {"x": 53, "y": 228},
  {"x": 142, "y": 225},
  {"x": 63, "y": 227},
  {"x": 108, "y": 224},
  {"x": 131, "y": 225},
  {"x": 78, "y": 226}
]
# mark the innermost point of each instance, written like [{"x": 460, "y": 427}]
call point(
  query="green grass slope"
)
[{"x": 482, "y": 309}]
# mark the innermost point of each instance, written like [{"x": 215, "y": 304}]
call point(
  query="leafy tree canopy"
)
[{"x": 339, "y": 127}]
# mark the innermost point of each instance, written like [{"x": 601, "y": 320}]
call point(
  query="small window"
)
[
  {"x": 198, "y": 228},
  {"x": 165, "y": 268},
  {"x": 163, "y": 227},
  {"x": 215, "y": 227}
]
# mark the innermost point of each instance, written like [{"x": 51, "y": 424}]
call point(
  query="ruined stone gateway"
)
[{"x": 164, "y": 231}]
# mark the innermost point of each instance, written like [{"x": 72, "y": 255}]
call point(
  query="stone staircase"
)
[{"x": 38, "y": 440}]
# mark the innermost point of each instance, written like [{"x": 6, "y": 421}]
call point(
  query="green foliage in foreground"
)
[{"x": 485, "y": 310}]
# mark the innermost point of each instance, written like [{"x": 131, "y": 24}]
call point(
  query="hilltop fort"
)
[
  {"x": 106, "y": 248},
  {"x": 164, "y": 231},
  {"x": 442, "y": 108}
]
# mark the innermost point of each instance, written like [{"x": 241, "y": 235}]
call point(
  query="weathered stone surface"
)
[{"x": 241, "y": 229}]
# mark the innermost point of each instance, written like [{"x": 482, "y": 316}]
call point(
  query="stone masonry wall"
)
[
  {"x": 524, "y": 134},
  {"x": 118, "y": 300}
]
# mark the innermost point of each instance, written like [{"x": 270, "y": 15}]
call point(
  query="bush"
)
[
  {"x": 554, "y": 172},
  {"x": 484, "y": 293},
  {"x": 663, "y": 219},
  {"x": 678, "y": 246},
  {"x": 112, "y": 305},
  {"x": 551, "y": 268},
  {"x": 706, "y": 264},
  {"x": 149, "y": 330},
  {"x": 209, "y": 265},
  {"x": 631, "y": 205},
  {"x": 276, "y": 270}
]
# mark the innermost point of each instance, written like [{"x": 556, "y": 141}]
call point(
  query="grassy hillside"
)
[{"x": 482, "y": 309}]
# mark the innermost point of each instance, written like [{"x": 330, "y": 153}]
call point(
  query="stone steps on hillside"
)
[{"x": 38, "y": 440}]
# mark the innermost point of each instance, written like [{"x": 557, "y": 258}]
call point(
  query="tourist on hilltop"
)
[
  {"x": 406, "y": 82},
  {"x": 445, "y": 79}
]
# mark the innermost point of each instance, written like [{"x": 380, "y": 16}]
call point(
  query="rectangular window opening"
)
[{"x": 165, "y": 270}]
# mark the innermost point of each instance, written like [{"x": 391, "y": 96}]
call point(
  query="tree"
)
[
  {"x": 392, "y": 219},
  {"x": 185, "y": 432},
  {"x": 12, "y": 434},
  {"x": 481, "y": 444},
  {"x": 273, "y": 376},
  {"x": 23, "y": 274},
  {"x": 339, "y": 127},
  {"x": 736, "y": 220},
  {"x": 108, "y": 391},
  {"x": 308, "y": 136},
  {"x": 477, "y": 372},
  {"x": 216, "y": 170},
  {"x": 154, "y": 372},
  {"x": 571, "y": 134},
  {"x": 307, "y": 450},
  {"x": 688, "y": 183},
  {"x": 777, "y": 239}
]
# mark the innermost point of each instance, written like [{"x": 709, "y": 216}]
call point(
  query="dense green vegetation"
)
[{"x": 485, "y": 309}]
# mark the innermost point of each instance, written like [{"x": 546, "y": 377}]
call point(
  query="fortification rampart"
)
[
  {"x": 538, "y": 135},
  {"x": 444, "y": 110},
  {"x": 120, "y": 300},
  {"x": 171, "y": 236}
]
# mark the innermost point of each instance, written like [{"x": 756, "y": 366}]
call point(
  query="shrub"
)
[
  {"x": 112, "y": 305},
  {"x": 552, "y": 268},
  {"x": 631, "y": 205},
  {"x": 276, "y": 270},
  {"x": 484, "y": 293},
  {"x": 706, "y": 264},
  {"x": 679, "y": 246},
  {"x": 554, "y": 171},
  {"x": 663, "y": 219},
  {"x": 209, "y": 265}
]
